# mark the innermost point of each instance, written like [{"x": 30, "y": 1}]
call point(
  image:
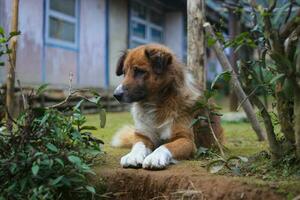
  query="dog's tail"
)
[{"x": 124, "y": 137}]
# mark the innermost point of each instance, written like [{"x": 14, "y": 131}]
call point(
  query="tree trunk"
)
[
  {"x": 285, "y": 114},
  {"x": 10, "y": 84},
  {"x": 234, "y": 30},
  {"x": 236, "y": 85},
  {"x": 273, "y": 143},
  {"x": 297, "y": 108},
  {"x": 196, "y": 42}
]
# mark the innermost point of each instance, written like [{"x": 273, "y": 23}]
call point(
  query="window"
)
[
  {"x": 61, "y": 23},
  {"x": 146, "y": 24}
]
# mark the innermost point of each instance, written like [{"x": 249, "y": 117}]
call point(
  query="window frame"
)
[
  {"x": 147, "y": 23},
  {"x": 61, "y": 16}
]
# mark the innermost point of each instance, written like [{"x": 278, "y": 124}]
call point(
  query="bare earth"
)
[{"x": 186, "y": 180}]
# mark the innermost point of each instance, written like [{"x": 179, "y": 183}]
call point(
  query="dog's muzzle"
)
[{"x": 119, "y": 93}]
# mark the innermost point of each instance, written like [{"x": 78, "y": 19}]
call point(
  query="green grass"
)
[
  {"x": 114, "y": 121},
  {"x": 240, "y": 138}
]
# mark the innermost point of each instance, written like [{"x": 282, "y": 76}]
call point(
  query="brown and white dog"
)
[{"x": 163, "y": 94}]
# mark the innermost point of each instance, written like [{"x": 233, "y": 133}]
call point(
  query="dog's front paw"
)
[
  {"x": 136, "y": 157},
  {"x": 159, "y": 159}
]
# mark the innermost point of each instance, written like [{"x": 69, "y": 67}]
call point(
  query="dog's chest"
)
[{"x": 146, "y": 122}]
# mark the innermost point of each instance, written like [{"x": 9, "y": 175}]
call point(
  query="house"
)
[{"x": 86, "y": 37}]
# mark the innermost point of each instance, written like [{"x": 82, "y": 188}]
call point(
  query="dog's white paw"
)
[
  {"x": 136, "y": 157},
  {"x": 159, "y": 159}
]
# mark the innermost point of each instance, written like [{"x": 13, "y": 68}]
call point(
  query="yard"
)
[
  {"x": 243, "y": 55},
  {"x": 190, "y": 178}
]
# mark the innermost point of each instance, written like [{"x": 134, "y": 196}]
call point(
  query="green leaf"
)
[
  {"x": 279, "y": 13},
  {"x": 194, "y": 121},
  {"x": 281, "y": 61},
  {"x": 208, "y": 94},
  {"x": 277, "y": 77},
  {"x": 236, "y": 171},
  {"x": 74, "y": 159},
  {"x": 226, "y": 76},
  {"x": 2, "y": 32},
  {"x": 215, "y": 166},
  {"x": 35, "y": 169},
  {"x": 210, "y": 42},
  {"x": 202, "y": 151},
  {"x": 3, "y": 40},
  {"x": 198, "y": 119},
  {"x": 102, "y": 113},
  {"x": 8, "y": 51},
  {"x": 38, "y": 154},
  {"x": 241, "y": 158},
  {"x": 95, "y": 100},
  {"x": 13, "y": 168},
  {"x": 78, "y": 104},
  {"x": 60, "y": 161},
  {"x": 44, "y": 119},
  {"x": 23, "y": 183},
  {"x": 91, "y": 189},
  {"x": 94, "y": 92},
  {"x": 14, "y": 33},
  {"x": 57, "y": 180},
  {"x": 52, "y": 147},
  {"x": 42, "y": 89}
]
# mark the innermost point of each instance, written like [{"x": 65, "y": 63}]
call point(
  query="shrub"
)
[{"x": 47, "y": 155}]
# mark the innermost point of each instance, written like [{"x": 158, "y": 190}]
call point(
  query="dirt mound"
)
[{"x": 186, "y": 180}]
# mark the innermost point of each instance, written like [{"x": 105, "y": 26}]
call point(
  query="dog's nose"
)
[{"x": 119, "y": 93}]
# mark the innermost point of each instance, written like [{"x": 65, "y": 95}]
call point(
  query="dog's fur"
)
[{"x": 163, "y": 95}]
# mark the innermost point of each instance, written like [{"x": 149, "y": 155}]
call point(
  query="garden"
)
[{"x": 62, "y": 150}]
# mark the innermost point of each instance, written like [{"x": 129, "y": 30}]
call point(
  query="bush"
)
[{"x": 47, "y": 155}]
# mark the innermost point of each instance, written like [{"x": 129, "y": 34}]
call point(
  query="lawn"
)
[{"x": 240, "y": 138}]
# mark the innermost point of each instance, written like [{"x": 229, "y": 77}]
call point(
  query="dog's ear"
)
[
  {"x": 159, "y": 59},
  {"x": 120, "y": 64}
]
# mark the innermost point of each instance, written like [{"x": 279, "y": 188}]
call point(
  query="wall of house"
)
[
  {"x": 92, "y": 43},
  {"x": 174, "y": 32},
  {"x": 39, "y": 62},
  {"x": 118, "y": 36},
  {"x": 30, "y": 42},
  {"x": 86, "y": 62}
]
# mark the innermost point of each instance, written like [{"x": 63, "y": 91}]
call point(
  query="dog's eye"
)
[{"x": 138, "y": 72}]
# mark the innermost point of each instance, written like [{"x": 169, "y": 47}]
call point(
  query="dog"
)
[{"x": 163, "y": 94}]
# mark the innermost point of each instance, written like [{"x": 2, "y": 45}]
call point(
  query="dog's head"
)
[{"x": 144, "y": 69}]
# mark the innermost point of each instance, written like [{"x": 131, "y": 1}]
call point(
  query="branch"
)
[
  {"x": 272, "y": 6},
  {"x": 69, "y": 95},
  {"x": 214, "y": 135},
  {"x": 289, "y": 12},
  {"x": 273, "y": 143},
  {"x": 251, "y": 93},
  {"x": 235, "y": 83},
  {"x": 276, "y": 43},
  {"x": 290, "y": 26},
  {"x": 25, "y": 104},
  {"x": 291, "y": 43}
]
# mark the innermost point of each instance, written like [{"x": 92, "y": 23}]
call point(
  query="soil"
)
[{"x": 185, "y": 180}]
